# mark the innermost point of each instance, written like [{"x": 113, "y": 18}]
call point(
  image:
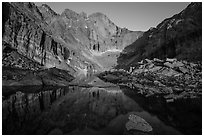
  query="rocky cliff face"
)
[
  {"x": 65, "y": 41},
  {"x": 47, "y": 13},
  {"x": 25, "y": 33},
  {"x": 95, "y": 32},
  {"x": 105, "y": 32},
  {"x": 177, "y": 37}
]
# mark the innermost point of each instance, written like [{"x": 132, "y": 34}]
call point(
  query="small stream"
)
[{"x": 101, "y": 109}]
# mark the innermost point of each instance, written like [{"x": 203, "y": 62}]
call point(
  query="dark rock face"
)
[
  {"x": 47, "y": 13},
  {"x": 20, "y": 70},
  {"x": 179, "y": 36},
  {"x": 25, "y": 31},
  {"x": 28, "y": 49},
  {"x": 30, "y": 40}
]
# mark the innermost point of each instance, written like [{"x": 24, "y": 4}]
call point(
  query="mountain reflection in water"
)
[{"x": 80, "y": 110}]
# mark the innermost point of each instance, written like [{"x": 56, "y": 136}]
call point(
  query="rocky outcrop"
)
[
  {"x": 27, "y": 37},
  {"x": 176, "y": 79},
  {"x": 176, "y": 37},
  {"x": 47, "y": 13},
  {"x": 169, "y": 78}
]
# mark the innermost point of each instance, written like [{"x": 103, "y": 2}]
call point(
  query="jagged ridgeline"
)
[
  {"x": 179, "y": 36},
  {"x": 69, "y": 41}
]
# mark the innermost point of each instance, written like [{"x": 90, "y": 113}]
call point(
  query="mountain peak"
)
[
  {"x": 70, "y": 14},
  {"x": 98, "y": 14},
  {"x": 29, "y": 8},
  {"x": 47, "y": 9},
  {"x": 83, "y": 15}
]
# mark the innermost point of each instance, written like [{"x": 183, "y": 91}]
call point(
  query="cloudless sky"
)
[{"x": 132, "y": 15}]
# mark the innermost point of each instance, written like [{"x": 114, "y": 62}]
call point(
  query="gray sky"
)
[{"x": 132, "y": 15}]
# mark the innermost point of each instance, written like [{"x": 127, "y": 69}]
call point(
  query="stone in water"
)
[{"x": 137, "y": 123}]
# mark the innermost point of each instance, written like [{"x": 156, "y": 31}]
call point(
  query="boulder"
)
[
  {"x": 168, "y": 90},
  {"x": 138, "y": 70},
  {"x": 169, "y": 96},
  {"x": 154, "y": 90},
  {"x": 193, "y": 65},
  {"x": 139, "y": 86},
  {"x": 154, "y": 69},
  {"x": 141, "y": 62},
  {"x": 169, "y": 72},
  {"x": 192, "y": 86},
  {"x": 142, "y": 66},
  {"x": 171, "y": 60},
  {"x": 170, "y": 100},
  {"x": 183, "y": 70},
  {"x": 151, "y": 66},
  {"x": 167, "y": 64},
  {"x": 148, "y": 60},
  {"x": 158, "y": 83},
  {"x": 137, "y": 123},
  {"x": 158, "y": 60},
  {"x": 177, "y": 89},
  {"x": 178, "y": 64}
]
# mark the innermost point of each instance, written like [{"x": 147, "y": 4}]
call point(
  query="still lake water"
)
[{"x": 94, "y": 110}]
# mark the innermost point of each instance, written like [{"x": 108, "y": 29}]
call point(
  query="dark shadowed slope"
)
[{"x": 177, "y": 37}]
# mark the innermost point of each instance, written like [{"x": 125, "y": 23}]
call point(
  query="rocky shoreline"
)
[
  {"x": 19, "y": 70},
  {"x": 170, "y": 78},
  {"x": 26, "y": 77}
]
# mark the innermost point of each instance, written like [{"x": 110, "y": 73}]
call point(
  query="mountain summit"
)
[{"x": 70, "y": 41}]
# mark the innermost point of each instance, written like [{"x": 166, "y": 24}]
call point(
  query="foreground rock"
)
[
  {"x": 170, "y": 78},
  {"x": 137, "y": 123}
]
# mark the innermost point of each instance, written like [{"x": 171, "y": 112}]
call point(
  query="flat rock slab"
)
[{"x": 137, "y": 123}]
